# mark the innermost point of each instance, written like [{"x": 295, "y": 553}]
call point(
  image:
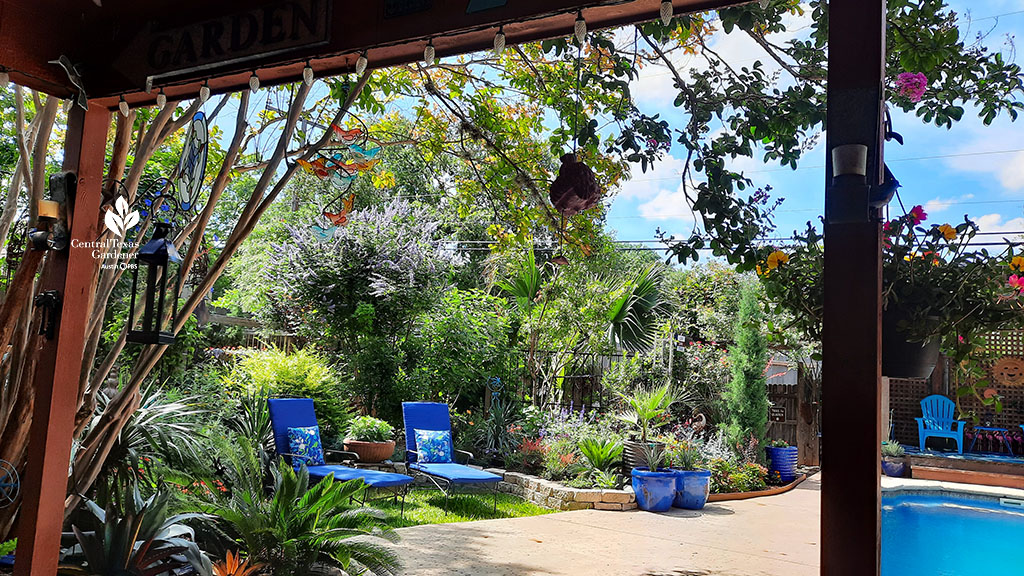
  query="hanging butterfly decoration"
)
[{"x": 340, "y": 165}]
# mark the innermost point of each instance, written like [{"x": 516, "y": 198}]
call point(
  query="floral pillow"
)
[
  {"x": 433, "y": 446},
  {"x": 304, "y": 443}
]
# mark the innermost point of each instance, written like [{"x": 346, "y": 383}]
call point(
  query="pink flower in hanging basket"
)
[
  {"x": 917, "y": 215},
  {"x": 912, "y": 85}
]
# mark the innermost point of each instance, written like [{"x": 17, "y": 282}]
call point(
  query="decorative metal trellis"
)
[{"x": 10, "y": 484}]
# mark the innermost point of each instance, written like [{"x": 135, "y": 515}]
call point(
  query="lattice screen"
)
[
  {"x": 905, "y": 403},
  {"x": 1004, "y": 345}
]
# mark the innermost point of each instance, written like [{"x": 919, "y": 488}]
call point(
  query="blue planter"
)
[
  {"x": 894, "y": 467},
  {"x": 783, "y": 461},
  {"x": 654, "y": 490},
  {"x": 692, "y": 489}
]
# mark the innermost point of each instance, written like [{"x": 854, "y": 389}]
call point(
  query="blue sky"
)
[{"x": 971, "y": 169}]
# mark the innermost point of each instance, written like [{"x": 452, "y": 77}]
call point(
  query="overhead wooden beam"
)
[
  {"x": 277, "y": 40},
  {"x": 851, "y": 343}
]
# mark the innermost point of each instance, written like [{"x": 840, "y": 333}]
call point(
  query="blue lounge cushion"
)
[
  {"x": 304, "y": 443},
  {"x": 456, "y": 473},
  {"x": 372, "y": 478},
  {"x": 434, "y": 446}
]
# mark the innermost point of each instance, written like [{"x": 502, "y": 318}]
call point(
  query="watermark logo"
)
[{"x": 121, "y": 218}]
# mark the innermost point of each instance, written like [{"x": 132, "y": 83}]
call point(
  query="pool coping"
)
[{"x": 896, "y": 486}]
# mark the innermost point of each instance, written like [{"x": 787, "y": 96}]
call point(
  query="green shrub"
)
[
  {"x": 303, "y": 374},
  {"x": 369, "y": 429},
  {"x": 561, "y": 459},
  {"x": 8, "y": 547}
]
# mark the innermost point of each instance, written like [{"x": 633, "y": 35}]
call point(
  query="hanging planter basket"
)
[{"x": 902, "y": 358}]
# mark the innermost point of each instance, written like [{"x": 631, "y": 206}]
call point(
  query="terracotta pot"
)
[{"x": 371, "y": 451}]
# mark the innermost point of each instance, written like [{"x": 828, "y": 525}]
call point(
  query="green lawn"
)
[{"x": 427, "y": 507}]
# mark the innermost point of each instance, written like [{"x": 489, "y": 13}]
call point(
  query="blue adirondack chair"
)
[
  {"x": 444, "y": 475},
  {"x": 288, "y": 413},
  {"x": 938, "y": 420}
]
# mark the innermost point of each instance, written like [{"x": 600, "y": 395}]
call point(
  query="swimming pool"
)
[{"x": 947, "y": 535}]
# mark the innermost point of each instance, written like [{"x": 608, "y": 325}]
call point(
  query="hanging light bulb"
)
[
  {"x": 161, "y": 100},
  {"x": 666, "y": 12},
  {"x": 254, "y": 82},
  {"x": 428, "y": 53},
  {"x": 67, "y": 105},
  {"x": 361, "y": 64},
  {"x": 204, "y": 92},
  {"x": 307, "y": 75},
  {"x": 499, "y": 42},
  {"x": 580, "y": 28},
  {"x": 764, "y": 3},
  {"x": 123, "y": 106}
]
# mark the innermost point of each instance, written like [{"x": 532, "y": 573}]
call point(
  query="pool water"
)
[{"x": 928, "y": 535}]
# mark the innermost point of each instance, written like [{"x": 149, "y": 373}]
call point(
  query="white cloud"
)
[
  {"x": 993, "y": 223},
  {"x": 667, "y": 205},
  {"x": 977, "y": 153},
  {"x": 665, "y": 176},
  {"x": 936, "y": 205}
]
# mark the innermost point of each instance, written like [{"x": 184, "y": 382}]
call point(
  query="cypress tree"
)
[{"x": 746, "y": 397}]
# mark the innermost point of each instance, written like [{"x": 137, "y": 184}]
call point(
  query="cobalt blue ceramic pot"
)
[
  {"x": 894, "y": 467},
  {"x": 783, "y": 462},
  {"x": 692, "y": 489},
  {"x": 655, "y": 491}
]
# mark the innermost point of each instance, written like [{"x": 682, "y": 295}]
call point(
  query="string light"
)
[
  {"x": 429, "y": 53},
  {"x": 499, "y": 42},
  {"x": 123, "y": 106},
  {"x": 361, "y": 64},
  {"x": 254, "y": 82},
  {"x": 307, "y": 75},
  {"x": 4, "y": 77},
  {"x": 764, "y": 3},
  {"x": 67, "y": 105},
  {"x": 580, "y": 28},
  {"x": 161, "y": 100},
  {"x": 204, "y": 92},
  {"x": 666, "y": 11}
]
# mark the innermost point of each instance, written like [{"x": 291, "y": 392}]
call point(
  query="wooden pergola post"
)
[
  {"x": 72, "y": 272},
  {"x": 851, "y": 344}
]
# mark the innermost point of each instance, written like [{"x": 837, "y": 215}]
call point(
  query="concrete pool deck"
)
[{"x": 769, "y": 536}]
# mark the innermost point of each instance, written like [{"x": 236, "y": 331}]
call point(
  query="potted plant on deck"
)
[
  {"x": 781, "y": 461},
  {"x": 646, "y": 410},
  {"x": 894, "y": 459},
  {"x": 654, "y": 485},
  {"x": 940, "y": 288},
  {"x": 371, "y": 438},
  {"x": 693, "y": 483}
]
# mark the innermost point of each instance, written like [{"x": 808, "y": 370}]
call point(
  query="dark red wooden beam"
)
[
  {"x": 72, "y": 273},
  {"x": 851, "y": 345},
  {"x": 123, "y": 42}
]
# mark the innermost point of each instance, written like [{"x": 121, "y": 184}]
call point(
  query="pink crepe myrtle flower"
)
[
  {"x": 917, "y": 215},
  {"x": 912, "y": 85},
  {"x": 1016, "y": 282}
]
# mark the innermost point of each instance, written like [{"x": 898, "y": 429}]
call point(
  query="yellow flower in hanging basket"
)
[
  {"x": 1017, "y": 263},
  {"x": 947, "y": 231},
  {"x": 776, "y": 259}
]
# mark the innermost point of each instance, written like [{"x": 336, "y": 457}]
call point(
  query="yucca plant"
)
[
  {"x": 136, "y": 537},
  {"x": 634, "y": 312},
  {"x": 252, "y": 421},
  {"x": 525, "y": 283},
  {"x": 601, "y": 453},
  {"x": 301, "y": 529},
  {"x": 233, "y": 565}
]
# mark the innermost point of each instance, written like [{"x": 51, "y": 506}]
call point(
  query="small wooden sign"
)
[{"x": 777, "y": 413}]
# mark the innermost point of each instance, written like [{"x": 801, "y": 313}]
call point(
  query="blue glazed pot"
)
[
  {"x": 894, "y": 467},
  {"x": 783, "y": 461},
  {"x": 654, "y": 490},
  {"x": 692, "y": 489}
]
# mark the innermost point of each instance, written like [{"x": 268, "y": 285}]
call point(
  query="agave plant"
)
[
  {"x": 634, "y": 312},
  {"x": 233, "y": 565},
  {"x": 601, "y": 453},
  {"x": 301, "y": 529},
  {"x": 137, "y": 537}
]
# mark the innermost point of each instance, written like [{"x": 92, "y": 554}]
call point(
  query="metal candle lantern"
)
[{"x": 156, "y": 257}]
